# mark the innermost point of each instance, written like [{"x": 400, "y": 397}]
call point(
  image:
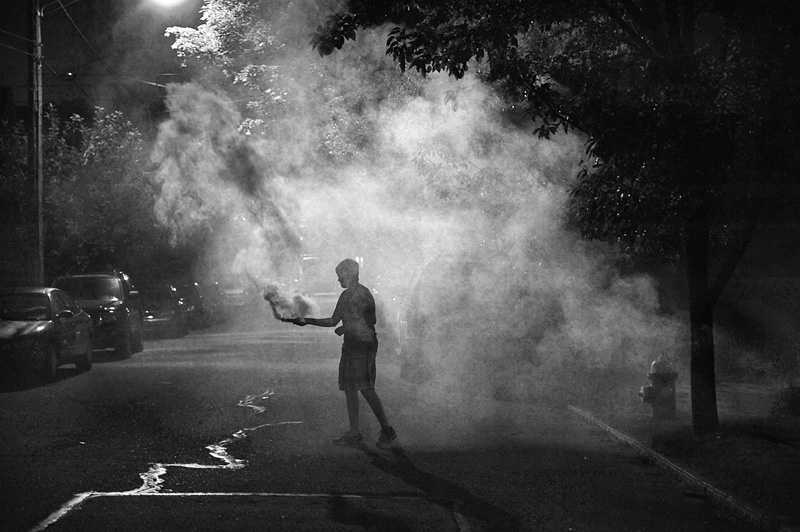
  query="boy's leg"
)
[
  {"x": 377, "y": 407},
  {"x": 351, "y": 396}
]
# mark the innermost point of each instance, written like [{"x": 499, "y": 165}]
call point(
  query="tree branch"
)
[
  {"x": 636, "y": 39},
  {"x": 737, "y": 252}
]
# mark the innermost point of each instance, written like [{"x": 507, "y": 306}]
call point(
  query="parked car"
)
[
  {"x": 113, "y": 303},
  {"x": 164, "y": 311},
  {"x": 42, "y": 329},
  {"x": 201, "y": 309}
]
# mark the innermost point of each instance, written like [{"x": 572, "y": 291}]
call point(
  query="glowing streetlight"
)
[
  {"x": 168, "y": 3},
  {"x": 35, "y": 146}
]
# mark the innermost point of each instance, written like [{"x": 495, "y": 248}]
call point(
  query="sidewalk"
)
[{"x": 751, "y": 467}]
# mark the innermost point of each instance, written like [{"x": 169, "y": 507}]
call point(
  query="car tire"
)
[
  {"x": 49, "y": 370},
  {"x": 183, "y": 327},
  {"x": 138, "y": 342},
  {"x": 124, "y": 348},
  {"x": 84, "y": 363}
]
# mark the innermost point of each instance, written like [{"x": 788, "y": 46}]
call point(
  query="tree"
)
[
  {"x": 256, "y": 51},
  {"x": 99, "y": 194},
  {"x": 689, "y": 109},
  {"x": 276, "y": 112}
]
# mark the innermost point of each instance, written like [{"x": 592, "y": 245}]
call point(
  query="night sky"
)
[{"x": 106, "y": 53}]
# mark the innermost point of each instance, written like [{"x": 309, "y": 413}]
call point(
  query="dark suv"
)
[{"x": 113, "y": 303}]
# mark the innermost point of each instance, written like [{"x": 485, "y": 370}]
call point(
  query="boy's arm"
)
[
  {"x": 333, "y": 321},
  {"x": 319, "y": 322}
]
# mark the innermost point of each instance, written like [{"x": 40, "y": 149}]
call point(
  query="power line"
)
[
  {"x": 89, "y": 45},
  {"x": 15, "y": 49},
  {"x": 17, "y": 36},
  {"x": 72, "y": 21}
]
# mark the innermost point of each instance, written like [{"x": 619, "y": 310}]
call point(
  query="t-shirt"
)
[{"x": 356, "y": 308}]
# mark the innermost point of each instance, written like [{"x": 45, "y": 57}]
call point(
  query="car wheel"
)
[
  {"x": 84, "y": 363},
  {"x": 49, "y": 370},
  {"x": 124, "y": 347},
  {"x": 139, "y": 343},
  {"x": 183, "y": 327}
]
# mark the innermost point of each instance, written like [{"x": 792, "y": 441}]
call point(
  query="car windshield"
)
[
  {"x": 24, "y": 307},
  {"x": 156, "y": 294},
  {"x": 91, "y": 287},
  {"x": 188, "y": 292}
]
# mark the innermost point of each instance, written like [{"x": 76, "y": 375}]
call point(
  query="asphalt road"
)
[{"x": 231, "y": 431}]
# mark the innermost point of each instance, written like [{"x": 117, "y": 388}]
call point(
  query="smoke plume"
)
[{"x": 454, "y": 208}]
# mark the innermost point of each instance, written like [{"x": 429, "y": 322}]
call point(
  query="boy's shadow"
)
[{"x": 481, "y": 514}]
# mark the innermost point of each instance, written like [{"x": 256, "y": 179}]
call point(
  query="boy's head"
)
[{"x": 347, "y": 270}]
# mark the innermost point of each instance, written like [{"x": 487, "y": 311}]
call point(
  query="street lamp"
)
[
  {"x": 168, "y": 3},
  {"x": 35, "y": 145}
]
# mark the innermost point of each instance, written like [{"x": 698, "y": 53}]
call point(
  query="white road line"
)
[
  {"x": 266, "y": 494},
  {"x": 152, "y": 479},
  {"x": 64, "y": 510},
  {"x": 80, "y": 498}
]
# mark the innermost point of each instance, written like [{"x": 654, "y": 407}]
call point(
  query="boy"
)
[{"x": 356, "y": 310}]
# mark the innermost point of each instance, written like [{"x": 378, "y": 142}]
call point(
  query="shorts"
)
[{"x": 357, "y": 367}]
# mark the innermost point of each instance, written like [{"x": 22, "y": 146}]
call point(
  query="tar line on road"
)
[{"x": 153, "y": 478}]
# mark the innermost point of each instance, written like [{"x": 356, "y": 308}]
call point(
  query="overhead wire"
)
[
  {"x": 103, "y": 63},
  {"x": 17, "y": 36},
  {"x": 15, "y": 49}
]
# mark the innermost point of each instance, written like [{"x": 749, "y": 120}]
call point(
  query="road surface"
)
[{"x": 232, "y": 431}]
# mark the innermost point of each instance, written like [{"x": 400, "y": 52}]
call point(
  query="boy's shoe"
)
[
  {"x": 385, "y": 438},
  {"x": 349, "y": 438}
]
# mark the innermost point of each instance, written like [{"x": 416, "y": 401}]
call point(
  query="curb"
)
[{"x": 716, "y": 495}]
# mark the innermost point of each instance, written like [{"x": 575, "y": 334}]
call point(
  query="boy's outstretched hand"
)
[{"x": 296, "y": 321}]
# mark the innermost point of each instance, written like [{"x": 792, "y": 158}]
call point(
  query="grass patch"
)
[{"x": 757, "y": 460}]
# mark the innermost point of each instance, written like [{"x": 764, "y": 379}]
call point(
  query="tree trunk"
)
[{"x": 705, "y": 418}]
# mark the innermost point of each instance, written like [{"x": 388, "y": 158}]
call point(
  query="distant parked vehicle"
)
[
  {"x": 42, "y": 329},
  {"x": 234, "y": 299},
  {"x": 201, "y": 308},
  {"x": 164, "y": 311},
  {"x": 113, "y": 303}
]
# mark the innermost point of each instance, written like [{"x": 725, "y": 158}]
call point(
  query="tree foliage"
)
[
  {"x": 689, "y": 109},
  {"x": 98, "y": 193},
  {"x": 256, "y": 51}
]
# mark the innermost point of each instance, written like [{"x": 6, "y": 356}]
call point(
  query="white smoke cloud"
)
[{"x": 452, "y": 174}]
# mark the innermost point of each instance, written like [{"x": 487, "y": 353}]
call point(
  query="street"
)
[{"x": 232, "y": 431}]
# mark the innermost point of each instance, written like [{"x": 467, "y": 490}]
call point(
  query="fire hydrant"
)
[{"x": 660, "y": 393}]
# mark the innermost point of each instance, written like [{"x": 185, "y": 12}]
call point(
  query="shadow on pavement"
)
[
  {"x": 485, "y": 515},
  {"x": 343, "y": 512}
]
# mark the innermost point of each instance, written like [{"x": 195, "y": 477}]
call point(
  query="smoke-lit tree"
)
[
  {"x": 295, "y": 115},
  {"x": 690, "y": 111},
  {"x": 257, "y": 52}
]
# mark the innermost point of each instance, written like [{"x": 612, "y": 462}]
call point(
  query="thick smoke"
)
[{"x": 456, "y": 211}]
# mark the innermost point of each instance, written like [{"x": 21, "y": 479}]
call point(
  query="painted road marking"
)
[{"x": 153, "y": 478}]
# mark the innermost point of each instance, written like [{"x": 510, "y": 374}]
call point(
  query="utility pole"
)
[{"x": 35, "y": 144}]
